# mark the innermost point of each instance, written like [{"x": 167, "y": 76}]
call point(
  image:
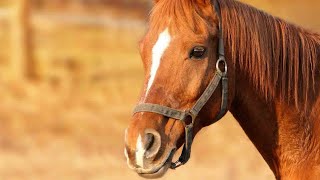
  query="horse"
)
[{"x": 204, "y": 57}]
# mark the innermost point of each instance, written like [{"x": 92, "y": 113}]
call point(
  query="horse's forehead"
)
[
  {"x": 178, "y": 29},
  {"x": 163, "y": 32},
  {"x": 155, "y": 37}
]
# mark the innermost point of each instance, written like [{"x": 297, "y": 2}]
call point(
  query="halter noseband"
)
[{"x": 187, "y": 115}]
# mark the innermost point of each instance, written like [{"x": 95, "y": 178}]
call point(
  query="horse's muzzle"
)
[
  {"x": 158, "y": 170},
  {"x": 148, "y": 155}
]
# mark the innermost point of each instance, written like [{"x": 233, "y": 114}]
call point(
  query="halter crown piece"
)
[{"x": 185, "y": 116}]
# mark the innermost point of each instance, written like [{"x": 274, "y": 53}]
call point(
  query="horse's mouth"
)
[{"x": 158, "y": 170}]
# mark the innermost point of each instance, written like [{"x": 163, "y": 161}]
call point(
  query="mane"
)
[{"x": 279, "y": 58}]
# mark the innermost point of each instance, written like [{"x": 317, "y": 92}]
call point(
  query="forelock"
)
[{"x": 182, "y": 15}]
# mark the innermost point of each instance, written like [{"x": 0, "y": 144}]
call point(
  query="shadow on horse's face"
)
[{"x": 179, "y": 54}]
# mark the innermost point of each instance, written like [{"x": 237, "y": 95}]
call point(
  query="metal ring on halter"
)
[
  {"x": 222, "y": 60},
  {"x": 192, "y": 116}
]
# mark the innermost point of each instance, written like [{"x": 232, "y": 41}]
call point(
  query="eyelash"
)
[{"x": 201, "y": 50}]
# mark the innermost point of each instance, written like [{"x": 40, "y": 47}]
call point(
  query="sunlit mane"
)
[{"x": 281, "y": 59}]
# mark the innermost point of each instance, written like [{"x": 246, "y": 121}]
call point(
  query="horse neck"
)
[
  {"x": 287, "y": 138},
  {"x": 257, "y": 119},
  {"x": 284, "y": 136}
]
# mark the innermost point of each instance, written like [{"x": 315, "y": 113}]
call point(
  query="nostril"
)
[
  {"x": 152, "y": 143},
  {"x": 149, "y": 140}
]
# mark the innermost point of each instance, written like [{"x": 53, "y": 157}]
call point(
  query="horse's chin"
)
[
  {"x": 159, "y": 170},
  {"x": 158, "y": 174}
]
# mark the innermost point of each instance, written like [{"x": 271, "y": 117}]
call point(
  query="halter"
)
[{"x": 188, "y": 117}]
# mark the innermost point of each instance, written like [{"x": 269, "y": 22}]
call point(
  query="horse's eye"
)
[{"x": 197, "y": 52}]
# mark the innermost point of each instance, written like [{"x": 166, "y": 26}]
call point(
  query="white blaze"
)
[
  {"x": 158, "y": 50},
  {"x": 140, "y": 152}
]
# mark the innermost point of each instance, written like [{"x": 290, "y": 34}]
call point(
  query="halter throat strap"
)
[{"x": 188, "y": 117}]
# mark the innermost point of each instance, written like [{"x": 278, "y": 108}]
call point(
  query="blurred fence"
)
[
  {"x": 23, "y": 19},
  {"x": 4, "y": 13},
  {"x": 71, "y": 19},
  {"x": 86, "y": 20}
]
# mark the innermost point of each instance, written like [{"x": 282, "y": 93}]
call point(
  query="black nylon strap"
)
[
  {"x": 224, "y": 102},
  {"x": 204, "y": 98},
  {"x": 178, "y": 114},
  {"x": 163, "y": 110},
  {"x": 218, "y": 13},
  {"x": 181, "y": 115},
  {"x": 186, "y": 151}
]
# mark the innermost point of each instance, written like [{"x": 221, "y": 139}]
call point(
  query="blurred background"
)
[{"x": 70, "y": 74}]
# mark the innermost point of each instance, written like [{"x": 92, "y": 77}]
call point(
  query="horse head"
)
[{"x": 185, "y": 70}]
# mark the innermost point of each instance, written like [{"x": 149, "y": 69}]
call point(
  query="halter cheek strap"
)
[{"x": 188, "y": 117}]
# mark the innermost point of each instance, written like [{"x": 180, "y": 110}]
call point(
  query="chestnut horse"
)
[{"x": 202, "y": 57}]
